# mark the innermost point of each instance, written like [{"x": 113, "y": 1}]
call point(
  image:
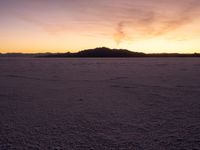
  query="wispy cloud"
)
[
  {"x": 120, "y": 35},
  {"x": 145, "y": 18},
  {"x": 149, "y": 23},
  {"x": 180, "y": 18}
]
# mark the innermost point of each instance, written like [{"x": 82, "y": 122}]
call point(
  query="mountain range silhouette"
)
[
  {"x": 107, "y": 52},
  {"x": 100, "y": 52}
]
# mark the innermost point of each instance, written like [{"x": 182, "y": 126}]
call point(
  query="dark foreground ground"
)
[{"x": 100, "y": 104}]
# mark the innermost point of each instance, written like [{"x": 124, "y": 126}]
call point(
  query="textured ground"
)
[{"x": 100, "y": 104}]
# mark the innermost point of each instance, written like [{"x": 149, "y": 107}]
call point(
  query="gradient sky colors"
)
[{"x": 151, "y": 26}]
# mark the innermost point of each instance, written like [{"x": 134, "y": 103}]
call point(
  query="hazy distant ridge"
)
[
  {"x": 100, "y": 52},
  {"x": 107, "y": 52}
]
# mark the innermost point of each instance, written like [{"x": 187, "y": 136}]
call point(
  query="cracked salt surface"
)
[{"x": 100, "y": 104}]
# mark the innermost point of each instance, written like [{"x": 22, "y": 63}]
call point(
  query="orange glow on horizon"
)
[{"x": 143, "y": 26}]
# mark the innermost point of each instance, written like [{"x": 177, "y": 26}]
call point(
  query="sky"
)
[{"x": 150, "y": 26}]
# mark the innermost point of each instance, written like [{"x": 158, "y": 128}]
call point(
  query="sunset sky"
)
[{"x": 151, "y": 26}]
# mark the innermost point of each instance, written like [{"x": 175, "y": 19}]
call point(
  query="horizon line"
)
[{"x": 47, "y": 52}]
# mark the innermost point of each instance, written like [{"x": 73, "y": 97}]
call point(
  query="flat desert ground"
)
[{"x": 100, "y": 104}]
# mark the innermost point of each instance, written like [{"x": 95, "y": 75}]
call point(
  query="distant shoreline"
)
[{"x": 101, "y": 52}]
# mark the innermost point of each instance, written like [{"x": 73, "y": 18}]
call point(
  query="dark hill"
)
[
  {"x": 100, "y": 52},
  {"x": 107, "y": 52}
]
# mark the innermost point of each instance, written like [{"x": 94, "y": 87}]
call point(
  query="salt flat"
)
[{"x": 100, "y": 104}]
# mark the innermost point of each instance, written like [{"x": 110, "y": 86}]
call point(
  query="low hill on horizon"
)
[
  {"x": 107, "y": 52},
  {"x": 100, "y": 52}
]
